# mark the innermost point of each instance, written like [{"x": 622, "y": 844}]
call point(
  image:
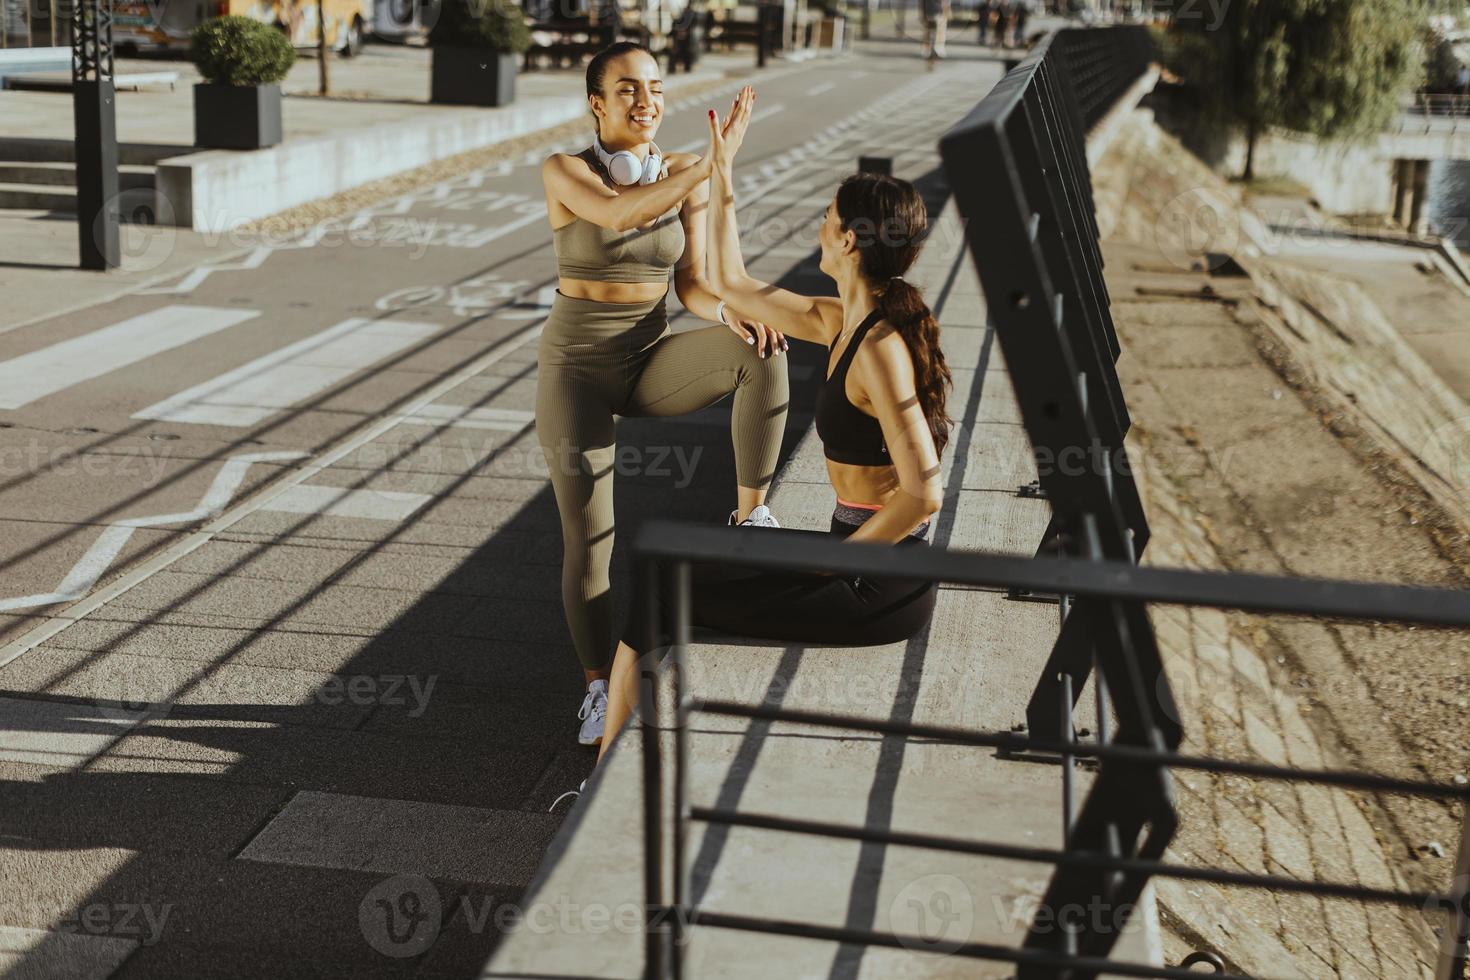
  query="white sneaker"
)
[
  {"x": 571, "y": 792},
  {"x": 593, "y": 713},
  {"x": 760, "y": 516}
]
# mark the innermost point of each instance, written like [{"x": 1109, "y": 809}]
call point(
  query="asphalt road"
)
[{"x": 278, "y": 606}]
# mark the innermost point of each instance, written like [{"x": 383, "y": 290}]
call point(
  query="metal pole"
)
[
  {"x": 95, "y": 119},
  {"x": 1455, "y": 940},
  {"x": 1069, "y": 807},
  {"x": 655, "y": 966},
  {"x": 680, "y": 601},
  {"x": 762, "y": 33}
]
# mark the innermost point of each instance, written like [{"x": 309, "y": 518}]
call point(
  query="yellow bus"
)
[{"x": 154, "y": 25}]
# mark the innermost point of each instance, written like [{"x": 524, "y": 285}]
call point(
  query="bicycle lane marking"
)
[{"x": 263, "y": 497}]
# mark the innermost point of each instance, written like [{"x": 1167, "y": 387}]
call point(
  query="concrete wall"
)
[
  {"x": 216, "y": 190},
  {"x": 1343, "y": 180},
  {"x": 23, "y": 61}
]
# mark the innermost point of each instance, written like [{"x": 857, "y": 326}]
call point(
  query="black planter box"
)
[
  {"x": 472, "y": 76},
  {"x": 237, "y": 117}
]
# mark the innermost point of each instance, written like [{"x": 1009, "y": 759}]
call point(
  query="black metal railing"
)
[
  {"x": 1016, "y": 165},
  {"x": 1101, "y": 870},
  {"x": 1102, "y": 63}
]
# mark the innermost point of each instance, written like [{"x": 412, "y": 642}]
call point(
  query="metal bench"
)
[{"x": 576, "y": 38}]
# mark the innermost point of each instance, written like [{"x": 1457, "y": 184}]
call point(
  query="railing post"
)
[
  {"x": 1454, "y": 942},
  {"x": 655, "y": 919},
  {"x": 680, "y": 603},
  {"x": 762, "y": 33}
]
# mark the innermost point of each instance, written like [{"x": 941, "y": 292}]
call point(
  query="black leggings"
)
[{"x": 801, "y": 607}]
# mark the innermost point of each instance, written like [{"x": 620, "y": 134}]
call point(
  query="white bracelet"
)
[{"x": 720, "y": 313}]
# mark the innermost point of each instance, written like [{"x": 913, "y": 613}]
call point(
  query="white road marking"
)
[
  {"x": 376, "y": 505},
  {"x": 824, "y": 87},
  {"x": 49, "y": 733},
  {"x": 464, "y": 417},
  {"x": 764, "y": 112},
  {"x": 110, "y": 543},
  {"x": 256, "y": 391},
  {"x": 539, "y": 309},
  {"x": 252, "y": 259},
  {"x": 239, "y": 512},
  {"x": 51, "y": 369}
]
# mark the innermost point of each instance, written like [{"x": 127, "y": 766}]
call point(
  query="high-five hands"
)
[
  {"x": 725, "y": 137},
  {"x": 724, "y": 140}
]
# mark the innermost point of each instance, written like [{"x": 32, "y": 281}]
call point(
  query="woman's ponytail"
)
[
  {"x": 901, "y": 304},
  {"x": 891, "y": 220}
]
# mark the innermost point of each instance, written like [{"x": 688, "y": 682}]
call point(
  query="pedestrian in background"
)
[
  {"x": 1022, "y": 14},
  {"x": 986, "y": 12},
  {"x": 936, "y": 19}
]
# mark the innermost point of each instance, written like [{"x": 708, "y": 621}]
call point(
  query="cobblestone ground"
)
[
  {"x": 1236, "y": 709},
  {"x": 1246, "y": 465}
]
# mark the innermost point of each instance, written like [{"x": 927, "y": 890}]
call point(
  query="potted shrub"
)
[
  {"x": 238, "y": 105},
  {"x": 475, "y": 44}
]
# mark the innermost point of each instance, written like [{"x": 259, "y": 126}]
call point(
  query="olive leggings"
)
[{"x": 598, "y": 360}]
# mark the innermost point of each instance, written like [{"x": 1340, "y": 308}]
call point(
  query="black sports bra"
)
[{"x": 848, "y": 435}]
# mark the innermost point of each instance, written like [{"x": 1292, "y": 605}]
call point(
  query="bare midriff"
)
[
  {"x": 612, "y": 292},
  {"x": 863, "y": 486}
]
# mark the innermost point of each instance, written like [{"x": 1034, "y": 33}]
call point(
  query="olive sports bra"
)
[
  {"x": 588, "y": 251},
  {"x": 848, "y": 435}
]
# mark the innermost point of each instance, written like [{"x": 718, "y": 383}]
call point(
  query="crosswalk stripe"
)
[
  {"x": 460, "y": 416},
  {"x": 256, "y": 391},
  {"x": 377, "y": 505},
  {"x": 51, "y": 369}
]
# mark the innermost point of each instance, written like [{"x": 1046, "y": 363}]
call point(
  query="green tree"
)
[{"x": 1335, "y": 69}]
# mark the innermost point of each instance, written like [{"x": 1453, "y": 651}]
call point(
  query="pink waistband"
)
[{"x": 849, "y": 503}]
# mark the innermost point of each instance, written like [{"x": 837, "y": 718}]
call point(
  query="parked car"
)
[{"x": 154, "y": 25}]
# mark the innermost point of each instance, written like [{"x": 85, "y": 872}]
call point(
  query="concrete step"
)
[
  {"x": 49, "y": 198},
  {"x": 60, "y": 81},
  {"x": 53, "y": 173},
  {"x": 63, "y": 200},
  {"x": 23, "y": 149}
]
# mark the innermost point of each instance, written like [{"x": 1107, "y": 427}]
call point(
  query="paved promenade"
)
[{"x": 279, "y": 618}]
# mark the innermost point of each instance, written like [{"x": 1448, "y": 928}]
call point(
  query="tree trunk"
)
[
  {"x": 1250, "y": 151},
  {"x": 321, "y": 45}
]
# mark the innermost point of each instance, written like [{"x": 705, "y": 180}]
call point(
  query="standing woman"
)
[
  {"x": 606, "y": 349},
  {"x": 880, "y": 415}
]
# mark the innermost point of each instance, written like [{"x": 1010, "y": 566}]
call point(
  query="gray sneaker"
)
[
  {"x": 593, "y": 713},
  {"x": 760, "y": 516}
]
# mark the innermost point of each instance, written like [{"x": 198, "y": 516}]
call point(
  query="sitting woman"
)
[{"x": 880, "y": 415}]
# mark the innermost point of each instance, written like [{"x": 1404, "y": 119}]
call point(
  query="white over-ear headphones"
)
[{"x": 625, "y": 167}]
